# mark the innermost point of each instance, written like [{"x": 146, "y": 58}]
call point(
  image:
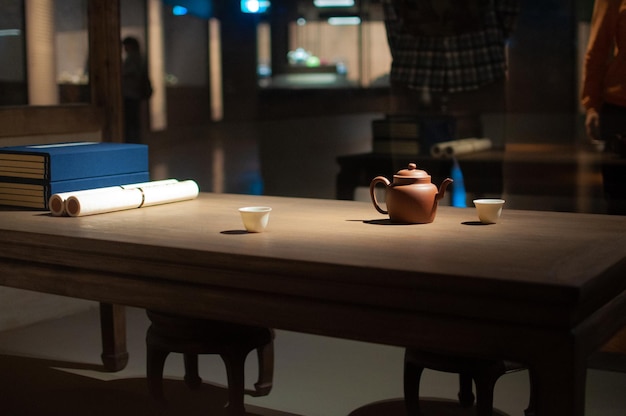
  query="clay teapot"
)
[{"x": 412, "y": 197}]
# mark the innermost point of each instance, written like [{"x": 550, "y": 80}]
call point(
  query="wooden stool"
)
[
  {"x": 483, "y": 372},
  {"x": 192, "y": 336}
]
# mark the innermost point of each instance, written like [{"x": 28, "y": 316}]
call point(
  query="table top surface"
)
[{"x": 543, "y": 267}]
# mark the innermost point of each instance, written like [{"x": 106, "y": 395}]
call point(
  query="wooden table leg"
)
[
  {"x": 113, "y": 329},
  {"x": 559, "y": 382}
]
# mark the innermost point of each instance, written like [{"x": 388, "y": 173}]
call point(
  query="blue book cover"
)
[
  {"x": 97, "y": 182},
  {"x": 65, "y": 161},
  {"x": 37, "y": 195}
]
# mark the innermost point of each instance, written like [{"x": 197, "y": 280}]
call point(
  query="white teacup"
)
[
  {"x": 255, "y": 218},
  {"x": 489, "y": 210}
]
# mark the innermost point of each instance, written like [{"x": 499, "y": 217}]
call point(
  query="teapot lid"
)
[{"x": 412, "y": 172}]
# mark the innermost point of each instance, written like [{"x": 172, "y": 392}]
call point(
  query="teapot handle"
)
[{"x": 375, "y": 181}]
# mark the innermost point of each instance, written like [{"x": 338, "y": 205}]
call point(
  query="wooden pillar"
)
[
  {"x": 41, "y": 53},
  {"x": 239, "y": 62},
  {"x": 105, "y": 65},
  {"x": 282, "y": 11}
]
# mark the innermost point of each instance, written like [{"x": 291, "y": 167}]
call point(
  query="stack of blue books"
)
[{"x": 29, "y": 175}]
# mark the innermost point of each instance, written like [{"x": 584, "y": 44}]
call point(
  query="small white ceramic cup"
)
[
  {"x": 489, "y": 210},
  {"x": 255, "y": 218}
]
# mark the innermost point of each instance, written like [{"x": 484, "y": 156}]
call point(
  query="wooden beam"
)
[{"x": 36, "y": 121}]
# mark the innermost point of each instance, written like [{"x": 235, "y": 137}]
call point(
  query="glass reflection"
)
[
  {"x": 12, "y": 49},
  {"x": 52, "y": 69},
  {"x": 72, "y": 50}
]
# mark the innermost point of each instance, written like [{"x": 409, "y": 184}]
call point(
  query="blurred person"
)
[
  {"x": 448, "y": 50},
  {"x": 136, "y": 88},
  {"x": 604, "y": 92}
]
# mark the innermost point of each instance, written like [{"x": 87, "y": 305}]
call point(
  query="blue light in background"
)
[
  {"x": 196, "y": 8},
  {"x": 458, "y": 186},
  {"x": 179, "y": 11},
  {"x": 254, "y": 6}
]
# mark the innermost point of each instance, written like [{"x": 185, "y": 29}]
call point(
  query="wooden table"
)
[{"x": 543, "y": 288}]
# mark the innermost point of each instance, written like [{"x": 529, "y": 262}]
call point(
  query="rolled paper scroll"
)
[
  {"x": 125, "y": 197},
  {"x": 180, "y": 191},
  {"x": 458, "y": 147},
  {"x": 101, "y": 202},
  {"x": 57, "y": 201}
]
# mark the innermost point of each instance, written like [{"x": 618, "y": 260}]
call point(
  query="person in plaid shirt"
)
[{"x": 446, "y": 46}]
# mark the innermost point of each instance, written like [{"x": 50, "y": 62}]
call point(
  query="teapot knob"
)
[{"x": 412, "y": 166}]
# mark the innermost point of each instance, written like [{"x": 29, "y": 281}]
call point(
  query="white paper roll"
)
[
  {"x": 126, "y": 197},
  {"x": 458, "y": 147},
  {"x": 439, "y": 149},
  {"x": 171, "y": 192},
  {"x": 101, "y": 202},
  {"x": 56, "y": 203}
]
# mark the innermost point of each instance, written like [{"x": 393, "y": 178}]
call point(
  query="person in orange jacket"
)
[
  {"x": 604, "y": 93},
  {"x": 604, "y": 82}
]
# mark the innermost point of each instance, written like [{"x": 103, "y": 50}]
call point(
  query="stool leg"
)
[
  {"x": 155, "y": 361},
  {"x": 466, "y": 391},
  {"x": 530, "y": 410},
  {"x": 412, "y": 376},
  {"x": 265, "y": 356},
  {"x": 235, "y": 366},
  {"x": 192, "y": 378},
  {"x": 485, "y": 383}
]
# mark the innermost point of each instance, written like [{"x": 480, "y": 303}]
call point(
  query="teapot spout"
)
[{"x": 443, "y": 187}]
